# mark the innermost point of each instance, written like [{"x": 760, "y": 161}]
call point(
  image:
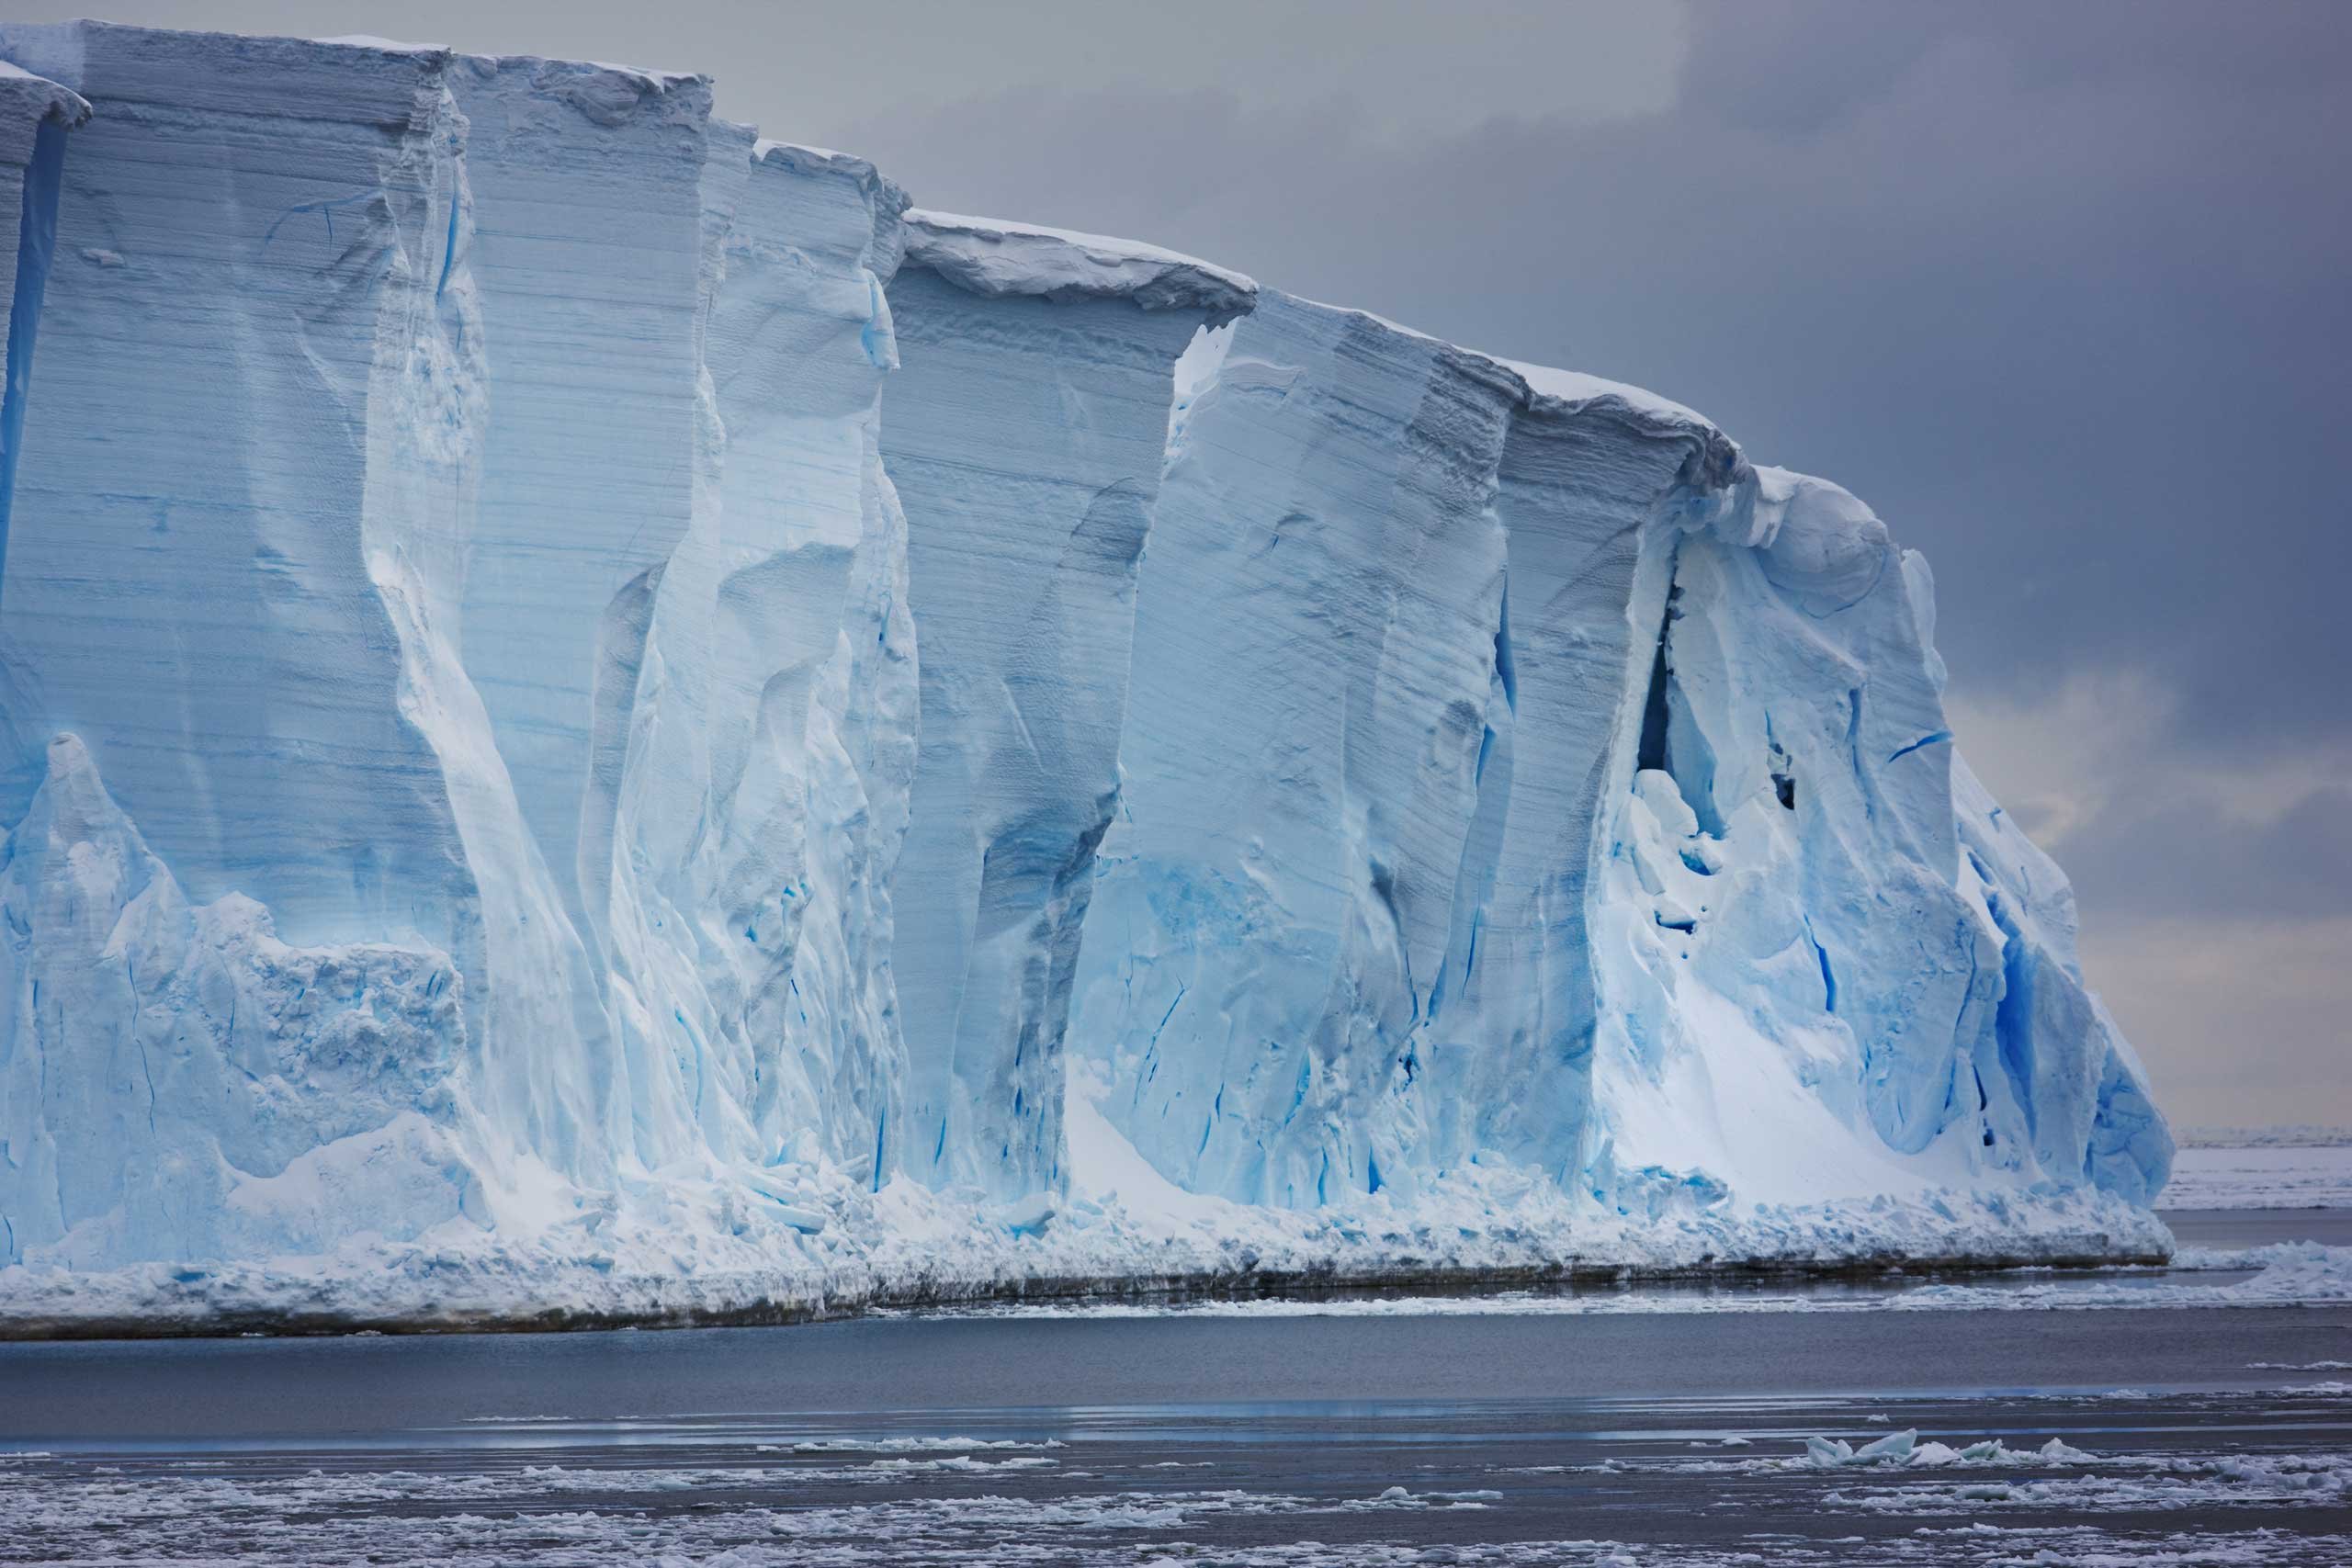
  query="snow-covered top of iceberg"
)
[
  {"x": 1545, "y": 389},
  {"x": 384, "y": 45},
  {"x": 1576, "y": 390},
  {"x": 860, "y": 171},
  {"x": 989, "y": 255},
  {"x": 635, "y": 78},
  {"x": 802, "y": 155},
  {"x": 62, "y": 101},
  {"x": 1722, "y": 482},
  {"x": 216, "y": 72},
  {"x": 29, "y": 100}
]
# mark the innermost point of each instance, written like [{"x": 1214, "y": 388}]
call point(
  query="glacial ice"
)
[{"x": 598, "y": 715}]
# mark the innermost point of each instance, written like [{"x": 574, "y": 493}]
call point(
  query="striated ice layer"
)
[
  {"x": 598, "y": 718},
  {"x": 589, "y": 370}
]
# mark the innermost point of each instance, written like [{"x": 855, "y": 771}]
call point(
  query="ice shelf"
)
[{"x": 599, "y": 718}]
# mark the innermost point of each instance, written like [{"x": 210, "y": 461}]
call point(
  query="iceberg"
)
[{"x": 602, "y": 721}]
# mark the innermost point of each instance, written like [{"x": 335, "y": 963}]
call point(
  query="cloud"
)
[
  {"x": 2059, "y": 761},
  {"x": 1394, "y": 69},
  {"x": 2241, "y": 1023},
  {"x": 2212, "y": 881},
  {"x": 2103, "y": 751}
]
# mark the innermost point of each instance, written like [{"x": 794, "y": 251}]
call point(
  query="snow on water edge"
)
[
  {"x": 2264, "y": 1176},
  {"x": 2284, "y": 1276}
]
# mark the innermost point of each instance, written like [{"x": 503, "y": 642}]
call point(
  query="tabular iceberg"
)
[{"x": 601, "y": 721}]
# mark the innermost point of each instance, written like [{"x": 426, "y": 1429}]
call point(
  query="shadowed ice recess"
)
[{"x": 601, "y": 722}]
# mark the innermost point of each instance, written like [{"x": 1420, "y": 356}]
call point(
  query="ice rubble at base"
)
[{"x": 829, "y": 751}]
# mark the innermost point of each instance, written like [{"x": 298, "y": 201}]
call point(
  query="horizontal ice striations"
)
[
  {"x": 252, "y": 218},
  {"x": 595, "y": 714}
]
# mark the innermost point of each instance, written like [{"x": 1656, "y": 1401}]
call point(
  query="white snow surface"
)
[
  {"x": 989, "y": 256},
  {"x": 2303, "y": 1134},
  {"x": 2265, "y": 1176},
  {"x": 28, "y": 100},
  {"x": 596, "y": 718}
]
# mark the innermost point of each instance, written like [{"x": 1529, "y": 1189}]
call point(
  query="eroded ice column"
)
[
  {"x": 1315, "y": 659},
  {"x": 1593, "y": 480},
  {"x": 587, "y": 258},
  {"x": 770, "y": 743},
  {"x": 1026, "y": 435}
]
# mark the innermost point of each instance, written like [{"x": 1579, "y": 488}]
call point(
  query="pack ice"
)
[{"x": 598, "y": 720}]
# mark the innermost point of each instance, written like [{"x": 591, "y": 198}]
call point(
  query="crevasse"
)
[{"x": 598, "y": 718}]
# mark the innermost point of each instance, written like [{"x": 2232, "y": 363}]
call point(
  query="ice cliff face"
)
[
  {"x": 1026, "y": 432},
  {"x": 586, "y": 697}
]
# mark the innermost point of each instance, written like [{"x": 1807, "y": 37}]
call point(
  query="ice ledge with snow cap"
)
[
  {"x": 26, "y": 101},
  {"x": 989, "y": 256}
]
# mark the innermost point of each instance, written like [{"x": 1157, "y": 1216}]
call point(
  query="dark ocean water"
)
[{"x": 1631, "y": 1437}]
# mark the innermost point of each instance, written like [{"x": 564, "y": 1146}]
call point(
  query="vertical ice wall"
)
[
  {"x": 34, "y": 114},
  {"x": 770, "y": 740},
  {"x": 1510, "y": 773},
  {"x": 259, "y": 218},
  {"x": 1593, "y": 481},
  {"x": 1315, "y": 642},
  {"x": 1025, "y": 435},
  {"x": 360, "y": 611},
  {"x": 193, "y": 617},
  {"x": 588, "y": 461}
]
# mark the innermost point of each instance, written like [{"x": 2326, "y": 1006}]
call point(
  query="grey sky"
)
[{"x": 2061, "y": 290}]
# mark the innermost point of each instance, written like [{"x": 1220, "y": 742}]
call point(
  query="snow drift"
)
[{"x": 597, "y": 716}]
